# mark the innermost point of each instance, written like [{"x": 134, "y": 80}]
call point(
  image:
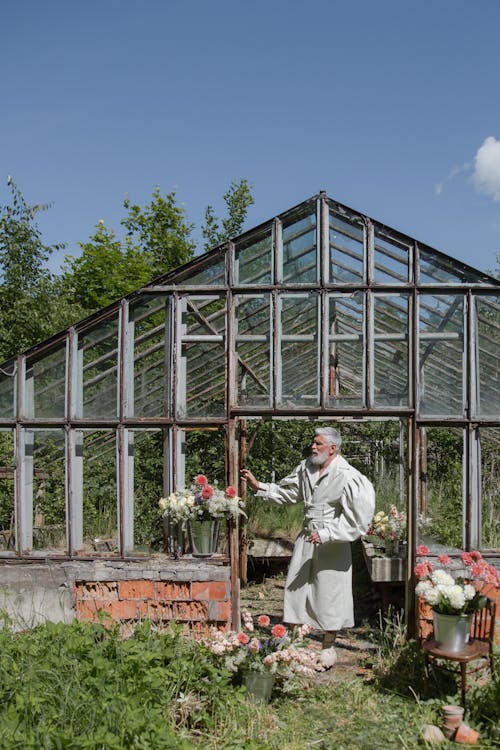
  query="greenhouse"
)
[{"x": 321, "y": 315}]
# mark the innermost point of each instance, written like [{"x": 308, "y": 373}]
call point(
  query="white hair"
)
[{"x": 333, "y": 436}]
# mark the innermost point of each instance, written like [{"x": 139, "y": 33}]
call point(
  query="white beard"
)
[{"x": 318, "y": 459}]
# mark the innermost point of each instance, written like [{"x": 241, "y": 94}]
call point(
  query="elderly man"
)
[{"x": 338, "y": 507}]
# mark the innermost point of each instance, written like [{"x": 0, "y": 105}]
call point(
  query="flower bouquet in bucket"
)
[
  {"x": 199, "y": 510},
  {"x": 261, "y": 653},
  {"x": 453, "y": 591}
]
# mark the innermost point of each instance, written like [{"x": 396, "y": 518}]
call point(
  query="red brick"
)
[
  {"x": 156, "y": 610},
  {"x": 136, "y": 589},
  {"x": 124, "y": 610},
  {"x": 209, "y": 590},
  {"x": 190, "y": 611},
  {"x": 170, "y": 591},
  {"x": 90, "y": 609},
  {"x": 223, "y": 611},
  {"x": 96, "y": 590}
]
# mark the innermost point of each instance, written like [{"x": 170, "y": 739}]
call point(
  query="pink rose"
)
[
  {"x": 207, "y": 492},
  {"x": 263, "y": 621},
  {"x": 201, "y": 480},
  {"x": 279, "y": 631},
  {"x": 242, "y": 638},
  {"x": 422, "y": 549},
  {"x": 444, "y": 559},
  {"x": 230, "y": 491},
  {"x": 423, "y": 569}
]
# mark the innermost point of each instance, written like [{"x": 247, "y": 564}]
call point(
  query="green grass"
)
[{"x": 82, "y": 687}]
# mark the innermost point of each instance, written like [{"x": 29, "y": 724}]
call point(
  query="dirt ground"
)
[{"x": 263, "y": 594}]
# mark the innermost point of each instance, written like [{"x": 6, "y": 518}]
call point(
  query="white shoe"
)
[{"x": 328, "y": 657}]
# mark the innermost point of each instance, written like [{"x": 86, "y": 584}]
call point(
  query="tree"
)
[
  {"x": 27, "y": 290},
  {"x": 238, "y": 199},
  {"x": 104, "y": 272},
  {"x": 161, "y": 231}
]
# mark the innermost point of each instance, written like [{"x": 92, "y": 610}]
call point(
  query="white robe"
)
[{"x": 339, "y": 504}]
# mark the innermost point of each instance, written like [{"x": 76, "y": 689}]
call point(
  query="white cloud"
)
[
  {"x": 487, "y": 168},
  {"x": 439, "y": 187}
]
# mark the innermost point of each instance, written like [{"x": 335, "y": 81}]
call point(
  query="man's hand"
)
[
  {"x": 248, "y": 477},
  {"x": 314, "y": 537}
]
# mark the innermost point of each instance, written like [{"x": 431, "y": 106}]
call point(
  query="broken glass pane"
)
[
  {"x": 49, "y": 498},
  {"x": 100, "y": 516},
  {"x": 440, "y": 511}
]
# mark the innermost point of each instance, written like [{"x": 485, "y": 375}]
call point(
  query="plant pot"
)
[
  {"x": 259, "y": 686},
  {"x": 466, "y": 735},
  {"x": 204, "y": 535},
  {"x": 452, "y": 718},
  {"x": 451, "y": 632}
]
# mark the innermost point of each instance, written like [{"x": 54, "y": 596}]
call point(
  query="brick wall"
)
[
  {"x": 196, "y": 604},
  {"x": 195, "y": 593}
]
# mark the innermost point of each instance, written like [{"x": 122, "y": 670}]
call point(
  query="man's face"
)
[{"x": 322, "y": 450}]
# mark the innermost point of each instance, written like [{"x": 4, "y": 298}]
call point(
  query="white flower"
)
[
  {"x": 442, "y": 578},
  {"x": 455, "y": 595},
  {"x": 422, "y": 587},
  {"x": 469, "y": 592},
  {"x": 432, "y": 596}
]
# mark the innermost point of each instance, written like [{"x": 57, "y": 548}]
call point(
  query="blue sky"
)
[{"x": 391, "y": 107}]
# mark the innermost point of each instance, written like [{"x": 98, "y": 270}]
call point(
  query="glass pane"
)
[
  {"x": 7, "y": 515},
  {"x": 390, "y": 355},
  {"x": 7, "y": 390},
  {"x": 441, "y": 355},
  {"x": 205, "y": 379},
  {"x": 212, "y": 274},
  {"x": 254, "y": 260},
  {"x": 488, "y": 355},
  {"x": 151, "y": 360},
  {"x": 49, "y": 384},
  {"x": 300, "y": 262},
  {"x": 49, "y": 498},
  {"x": 346, "y": 251},
  {"x": 299, "y": 350},
  {"x": 205, "y": 455},
  {"x": 391, "y": 260},
  {"x": 346, "y": 350},
  {"x": 148, "y": 483},
  {"x": 490, "y": 473},
  {"x": 441, "y": 509},
  {"x": 435, "y": 268},
  {"x": 253, "y": 350},
  {"x": 100, "y": 517},
  {"x": 205, "y": 316},
  {"x": 99, "y": 348}
]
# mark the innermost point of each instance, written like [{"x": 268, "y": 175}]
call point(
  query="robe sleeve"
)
[
  {"x": 358, "y": 506},
  {"x": 284, "y": 493}
]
